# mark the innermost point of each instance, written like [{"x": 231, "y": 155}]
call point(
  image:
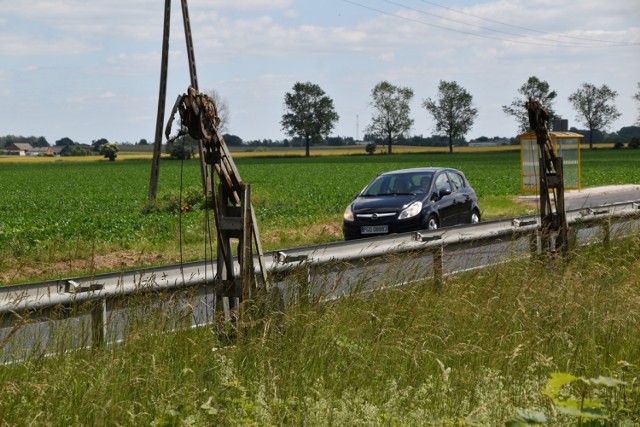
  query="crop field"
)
[
  {"x": 55, "y": 212},
  {"x": 524, "y": 343}
]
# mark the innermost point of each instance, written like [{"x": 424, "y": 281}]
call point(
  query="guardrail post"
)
[
  {"x": 98, "y": 322},
  {"x": 606, "y": 232},
  {"x": 533, "y": 244},
  {"x": 438, "y": 265}
]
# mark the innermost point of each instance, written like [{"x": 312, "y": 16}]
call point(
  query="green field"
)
[
  {"x": 525, "y": 343},
  {"x": 56, "y": 213}
]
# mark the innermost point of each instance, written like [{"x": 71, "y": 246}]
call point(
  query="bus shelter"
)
[{"x": 565, "y": 144}]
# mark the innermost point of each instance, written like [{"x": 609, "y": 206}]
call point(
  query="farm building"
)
[
  {"x": 19, "y": 149},
  {"x": 45, "y": 151}
]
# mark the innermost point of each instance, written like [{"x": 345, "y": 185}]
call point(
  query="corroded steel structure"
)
[
  {"x": 231, "y": 201},
  {"x": 553, "y": 215}
]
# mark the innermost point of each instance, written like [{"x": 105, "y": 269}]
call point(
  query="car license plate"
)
[{"x": 374, "y": 229}]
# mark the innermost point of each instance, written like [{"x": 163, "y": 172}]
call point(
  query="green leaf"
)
[
  {"x": 557, "y": 381},
  {"x": 606, "y": 381},
  {"x": 527, "y": 418},
  {"x": 587, "y": 413}
]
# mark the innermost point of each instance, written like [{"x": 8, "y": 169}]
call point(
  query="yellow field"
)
[
  {"x": 284, "y": 152},
  {"x": 43, "y": 159}
]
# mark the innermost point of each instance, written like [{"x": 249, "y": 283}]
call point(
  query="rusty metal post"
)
[
  {"x": 553, "y": 222},
  {"x": 246, "y": 252},
  {"x": 560, "y": 216},
  {"x": 544, "y": 202}
]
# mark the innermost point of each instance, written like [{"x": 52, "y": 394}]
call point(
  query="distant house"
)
[
  {"x": 19, "y": 149},
  {"x": 42, "y": 151}
]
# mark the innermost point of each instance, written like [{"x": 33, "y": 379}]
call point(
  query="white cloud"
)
[
  {"x": 29, "y": 45},
  {"x": 241, "y": 5},
  {"x": 105, "y": 56},
  {"x": 291, "y": 14}
]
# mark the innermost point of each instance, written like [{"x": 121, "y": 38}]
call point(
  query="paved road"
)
[{"x": 596, "y": 196}]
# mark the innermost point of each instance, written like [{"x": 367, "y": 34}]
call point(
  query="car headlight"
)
[
  {"x": 348, "y": 214},
  {"x": 412, "y": 210}
]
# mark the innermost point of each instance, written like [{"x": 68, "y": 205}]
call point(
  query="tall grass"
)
[{"x": 471, "y": 353}]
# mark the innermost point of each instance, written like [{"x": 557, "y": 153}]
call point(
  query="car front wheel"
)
[
  {"x": 475, "y": 217},
  {"x": 432, "y": 222}
]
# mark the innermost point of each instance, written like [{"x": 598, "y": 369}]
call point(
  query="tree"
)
[
  {"x": 309, "y": 113},
  {"x": 98, "y": 143},
  {"x": 390, "y": 119},
  {"x": 183, "y": 148},
  {"x": 636, "y": 96},
  {"x": 597, "y": 135},
  {"x": 537, "y": 89},
  {"x": 628, "y": 132},
  {"x": 594, "y": 107},
  {"x": 370, "y": 148},
  {"x": 64, "y": 142},
  {"x": 41, "y": 141},
  {"x": 232, "y": 140},
  {"x": 222, "y": 108},
  {"x": 109, "y": 151},
  {"x": 75, "y": 150},
  {"x": 6, "y": 141},
  {"x": 452, "y": 110}
]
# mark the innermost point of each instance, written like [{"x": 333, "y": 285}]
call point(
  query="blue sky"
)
[{"x": 89, "y": 69}]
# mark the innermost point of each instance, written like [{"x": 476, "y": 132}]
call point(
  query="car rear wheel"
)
[
  {"x": 432, "y": 222},
  {"x": 475, "y": 217}
]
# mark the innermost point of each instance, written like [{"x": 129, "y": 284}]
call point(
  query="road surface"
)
[{"x": 596, "y": 196}]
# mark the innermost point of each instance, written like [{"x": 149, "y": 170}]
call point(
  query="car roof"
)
[{"x": 413, "y": 170}]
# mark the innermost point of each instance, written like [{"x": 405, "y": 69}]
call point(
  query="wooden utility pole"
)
[
  {"x": 157, "y": 145},
  {"x": 162, "y": 98}
]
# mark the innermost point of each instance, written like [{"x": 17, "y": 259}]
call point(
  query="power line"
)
[
  {"x": 529, "y": 29},
  {"x": 532, "y": 43},
  {"x": 501, "y": 31}
]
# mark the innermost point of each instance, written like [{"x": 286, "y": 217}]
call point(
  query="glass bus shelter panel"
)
[
  {"x": 529, "y": 167},
  {"x": 569, "y": 150}
]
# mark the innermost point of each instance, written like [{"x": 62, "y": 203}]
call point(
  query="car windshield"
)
[{"x": 399, "y": 183}]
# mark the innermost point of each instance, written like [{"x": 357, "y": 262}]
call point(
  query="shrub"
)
[
  {"x": 109, "y": 151},
  {"x": 192, "y": 199},
  {"x": 370, "y": 148}
]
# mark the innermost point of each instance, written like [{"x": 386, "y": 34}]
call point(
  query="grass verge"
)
[{"x": 477, "y": 352}]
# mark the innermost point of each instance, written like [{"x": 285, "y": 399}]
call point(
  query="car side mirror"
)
[
  {"x": 444, "y": 192},
  {"x": 434, "y": 196}
]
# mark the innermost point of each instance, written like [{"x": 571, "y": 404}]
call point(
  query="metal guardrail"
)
[{"x": 99, "y": 308}]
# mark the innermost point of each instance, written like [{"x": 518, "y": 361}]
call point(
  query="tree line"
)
[
  {"x": 68, "y": 147},
  {"x": 41, "y": 141},
  {"x": 310, "y": 116}
]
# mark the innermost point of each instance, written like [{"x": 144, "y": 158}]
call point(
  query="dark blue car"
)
[{"x": 410, "y": 200}]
